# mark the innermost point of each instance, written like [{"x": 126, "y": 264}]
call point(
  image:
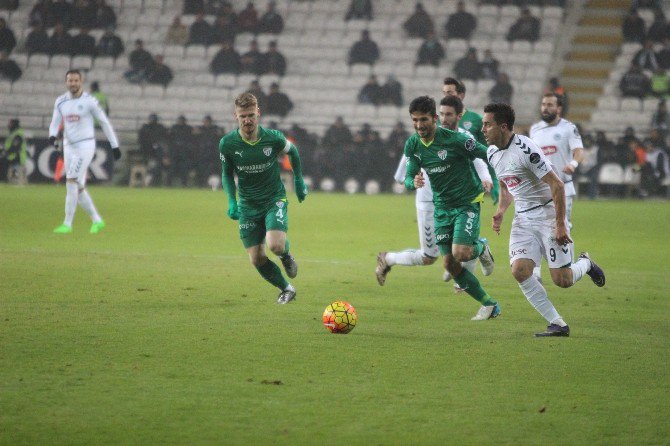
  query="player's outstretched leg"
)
[
  {"x": 470, "y": 265},
  {"x": 595, "y": 272},
  {"x": 382, "y": 268},
  {"x": 469, "y": 283},
  {"x": 71, "y": 198},
  {"x": 486, "y": 258}
]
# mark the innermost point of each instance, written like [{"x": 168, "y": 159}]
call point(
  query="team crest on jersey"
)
[
  {"x": 470, "y": 145},
  {"x": 557, "y": 136},
  {"x": 442, "y": 154},
  {"x": 279, "y": 204},
  {"x": 467, "y": 125},
  {"x": 267, "y": 151},
  {"x": 534, "y": 158}
]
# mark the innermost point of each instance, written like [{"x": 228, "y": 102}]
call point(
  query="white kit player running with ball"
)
[
  {"x": 539, "y": 227},
  {"x": 76, "y": 110},
  {"x": 450, "y": 112},
  {"x": 561, "y": 144}
]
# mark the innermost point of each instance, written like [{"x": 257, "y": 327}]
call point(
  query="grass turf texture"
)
[{"x": 159, "y": 331}]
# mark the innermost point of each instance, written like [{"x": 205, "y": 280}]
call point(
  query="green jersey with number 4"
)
[
  {"x": 256, "y": 165},
  {"x": 448, "y": 162}
]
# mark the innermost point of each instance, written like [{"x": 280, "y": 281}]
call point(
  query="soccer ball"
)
[{"x": 340, "y": 317}]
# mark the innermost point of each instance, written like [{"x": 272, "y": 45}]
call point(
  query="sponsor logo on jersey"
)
[
  {"x": 279, "y": 204},
  {"x": 267, "y": 151},
  {"x": 511, "y": 181},
  {"x": 238, "y": 153},
  {"x": 534, "y": 158},
  {"x": 441, "y": 237},
  {"x": 439, "y": 169},
  {"x": 549, "y": 150},
  {"x": 248, "y": 225},
  {"x": 516, "y": 252},
  {"x": 72, "y": 118},
  {"x": 470, "y": 145},
  {"x": 442, "y": 154}
]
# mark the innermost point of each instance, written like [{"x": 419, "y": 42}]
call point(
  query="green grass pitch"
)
[{"x": 159, "y": 331}]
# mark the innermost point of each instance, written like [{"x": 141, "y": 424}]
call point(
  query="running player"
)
[
  {"x": 77, "y": 111},
  {"x": 446, "y": 157},
  {"x": 451, "y": 110},
  {"x": 539, "y": 227},
  {"x": 250, "y": 152},
  {"x": 561, "y": 143}
]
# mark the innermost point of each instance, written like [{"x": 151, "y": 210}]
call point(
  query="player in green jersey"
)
[
  {"x": 250, "y": 152},
  {"x": 446, "y": 156}
]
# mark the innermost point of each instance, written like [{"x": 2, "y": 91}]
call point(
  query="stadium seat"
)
[
  {"x": 631, "y": 105},
  {"x": 608, "y": 103},
  {"x": 611, "y": 173},
  {"x": 82, "y": 62},
  {"x": 631, "y": 177}
]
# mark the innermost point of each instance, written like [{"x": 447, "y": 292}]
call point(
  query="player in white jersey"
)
[
  {"x": 451, "y": 111},
  {"x": 76, "y": 110},
  {"x": 562, "y": 144},
  {"x": 539, "y": 227}
]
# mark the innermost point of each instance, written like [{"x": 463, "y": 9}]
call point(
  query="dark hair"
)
[
  {"x": 423, "y": 104},
  {"x": 559, "y": 97},
  {"x": 453, "y": 101},
  {"x": 73, "y": 72},
  {"x": 502, "y": 114},
  {"x": 460, "y": 88}
]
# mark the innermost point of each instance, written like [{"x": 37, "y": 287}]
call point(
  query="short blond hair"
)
[{"x": 246, "y": 100}]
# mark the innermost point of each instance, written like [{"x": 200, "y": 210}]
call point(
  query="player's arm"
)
[
  {"x": 99, "y": 114},
  {"x": 399, "y": 175},
  {"x": 413, "y": 176},
  {"x": 56, "y": 119},
  {"x": 577, "y": 148},
  {"x": 503, "y": 203},
  {"x": 558, "y": 195},
  {"x": 298, "y": 180},
  {"x": 483, "y": 173},
  {"x": 228, "y": 182}
]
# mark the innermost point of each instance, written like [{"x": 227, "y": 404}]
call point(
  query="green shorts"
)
[
  {"x": 458, "y": 226},
  {"x": 256, "y": 221}
]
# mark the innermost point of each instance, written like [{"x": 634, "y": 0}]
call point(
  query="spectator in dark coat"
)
[
  {"x": 60, "y": 41},
  {"x": 663, "y": 56},
  {"x": 248, "y": 19},
  {"x": 359, "y": 9},
  {"x": 633, "y": 27},
  {"x": 159, "y": 73},
  {"x": 109, "y": 45},
  {"x": 419, "y": 24},
  {"x": 206, "y": 147},
  {"x": 7, "y": 39},
  {"x": 371, "y": 92},
  {"x": 527, "y": 27},
  {"x": 200, "y": 32},
  {"x": 392, "y": 91},
  {"x": 364, "y": 51},
  {"x": 278, "y": 103},
  {"x": 468, "y": 67},
  {"x": 105, "y": 16},
  {"x": 271, "y": 22},
  {"x": 223, "y": 30},
  {"x": 460, "y": 24},
  {"x": 83, "y": 44},
  {"x": 8, "y": 68},
  {"x": 273, "y": 61},
  {"x": 252, "y": 60},
  {"x": 153, "y": 141},
  {"x": 431, "y": 51},
  {"x": 84, "y": 14},
  {"x": 256, "y": 89},
  {"x": 42, "y": 14},
  {"x": 659, "y": 30},
  {"x": 181, "y": 150},
  {"x": 193, "y": 7},
  {"x": 502, "y": 90},
  {"x": 61, "y": 11},
  {"x": 140, "y": 61},
  {"x": 37, "y": 40},
  {"x": 226, "y": 60},
  {"x": 634, "y": 83},
  {"x": 489, "y": 65}
]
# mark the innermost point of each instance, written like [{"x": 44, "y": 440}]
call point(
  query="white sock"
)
[
  {"x": 579, "y": 268},
  {"x": 289, "y": 287},
  {"x": 537, "y": 296},
  {"x": 86, "y": 202},
  {"x": 71, "y": 198},
  {"x": 411, "y": 257},
  {"x": 470, "y": 265},
  {"x": 537, "y": 271},
  {"x": 560, "y": 322}
]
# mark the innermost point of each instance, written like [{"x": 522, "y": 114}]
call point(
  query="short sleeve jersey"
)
[
  {"x": 558, "y": 142},
  {"x": 447, "y": 161},
  {"x": 521, "y": 166},
  {"x": 472, "y": 122},
  {"x": 256, "y": 165}
]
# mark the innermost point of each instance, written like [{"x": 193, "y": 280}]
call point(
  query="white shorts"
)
[
  {"x": 425, "y": 217},
  {"x": 77, "y": 157},
  {"x": 534, "y": 239}
]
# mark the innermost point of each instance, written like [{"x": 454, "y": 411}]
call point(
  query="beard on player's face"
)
[{"x": 549, "y": 117}]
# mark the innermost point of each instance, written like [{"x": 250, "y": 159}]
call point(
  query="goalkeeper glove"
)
[
  {"x": 233, "y": 210},
  {"x": 300, "y": 189}
]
